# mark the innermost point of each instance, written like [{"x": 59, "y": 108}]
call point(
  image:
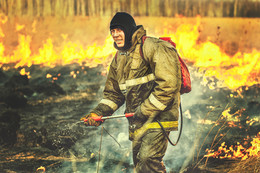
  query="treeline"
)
[{"x": 188, "y": 8}]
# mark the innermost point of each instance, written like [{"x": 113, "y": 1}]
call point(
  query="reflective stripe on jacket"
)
[{"x": 152, "y": 81}]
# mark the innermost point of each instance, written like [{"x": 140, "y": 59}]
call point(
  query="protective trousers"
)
[{"x": 148, "y": 152}]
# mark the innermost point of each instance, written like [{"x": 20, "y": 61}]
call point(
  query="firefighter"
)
[{"x": 149, "y": 85}]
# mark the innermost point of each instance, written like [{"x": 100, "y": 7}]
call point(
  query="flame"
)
[
  {"x": 19, "y": 27},
  {"x": 233, "y": 120},
  {"x": 48, "y": 76},
  {"x": 241, "y": 69},
  {"x": 236, "y": 152},
  {"x": 49, "y": 56},
  {"x": 252, "y": 121},
  {"x": 41, "y": 169},
  {"x": 73, "y": 74},
  {"x": 23, "y": 72}
]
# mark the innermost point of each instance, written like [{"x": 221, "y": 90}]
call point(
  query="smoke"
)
[
  {"x": 113, "y": 157},
  {"x": 196, "y": 105},
  {"x": 201, "y": 108},
  {"x": 109, "y": 157},
  {"x": 105, "y": 149},
  {"x": 181, "y": 154},
  {"x": 84, "y": 155}
]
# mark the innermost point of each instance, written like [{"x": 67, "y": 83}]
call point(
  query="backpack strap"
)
[{"x": 141, "y": 47}]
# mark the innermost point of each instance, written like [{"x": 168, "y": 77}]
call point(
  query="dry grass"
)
[{"x": 249, "y": 165}]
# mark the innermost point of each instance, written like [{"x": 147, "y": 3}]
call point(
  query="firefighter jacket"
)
[{"x": 151, "y": 81}]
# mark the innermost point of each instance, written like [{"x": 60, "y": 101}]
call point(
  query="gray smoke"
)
[{"x": 114, "y": 158}]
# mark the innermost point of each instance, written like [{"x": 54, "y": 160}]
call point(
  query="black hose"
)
[{"x": 166, "y": 135}]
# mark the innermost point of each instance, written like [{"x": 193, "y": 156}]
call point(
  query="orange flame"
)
[
  {"x": 41, "y": 169},
  {"x": 23, "y": 72},
  {"x": 50, "y": 56},
  {"x": 241, "y": 69},
  {"x": 233, "y": 120},
  {"x": 238, "y": 151}
]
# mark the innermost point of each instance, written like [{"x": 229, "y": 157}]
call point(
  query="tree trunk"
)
[
  {"x": 101, "y": 8},
  {"x": 91, "y": 7},
  {"x": 176, "y": 9},
  {"x": 235, "y": 8},
  {"x": 187, "y": 7},
  {"x": 221, "y": 8},
  {"x": 11, "y": 8}
]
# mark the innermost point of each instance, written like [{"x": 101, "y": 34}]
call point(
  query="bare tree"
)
[
  {"x": 214, "y": 8},
  {"x": 235, "y": 8}
]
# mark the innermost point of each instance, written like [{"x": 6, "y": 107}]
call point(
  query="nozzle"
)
[{"x": 99, "y": 118}]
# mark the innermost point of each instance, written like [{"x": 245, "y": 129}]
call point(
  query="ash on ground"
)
[{"x": 40, "y": 113}]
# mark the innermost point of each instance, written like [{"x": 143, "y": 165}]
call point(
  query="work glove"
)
[{"x": 88, "y": 121}]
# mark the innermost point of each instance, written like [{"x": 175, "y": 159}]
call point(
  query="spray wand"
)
[{"x": 102, "y": 118}]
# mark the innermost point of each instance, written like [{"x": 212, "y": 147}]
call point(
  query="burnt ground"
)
[{"x": 40, "y": 125}]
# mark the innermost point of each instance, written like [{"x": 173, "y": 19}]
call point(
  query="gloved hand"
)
[{"x": 90, "y": 121}]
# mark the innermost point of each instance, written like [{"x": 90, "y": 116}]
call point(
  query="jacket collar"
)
[{"x": 136, "y": 38}]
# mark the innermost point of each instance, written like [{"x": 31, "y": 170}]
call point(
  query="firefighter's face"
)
[{"x": 118, "y": 36}]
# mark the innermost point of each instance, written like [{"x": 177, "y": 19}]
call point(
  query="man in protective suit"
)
[{"x": 146, "y": 76}]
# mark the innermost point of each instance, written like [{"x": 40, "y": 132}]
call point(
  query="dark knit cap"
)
[{"x": 127, "y": 23}]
